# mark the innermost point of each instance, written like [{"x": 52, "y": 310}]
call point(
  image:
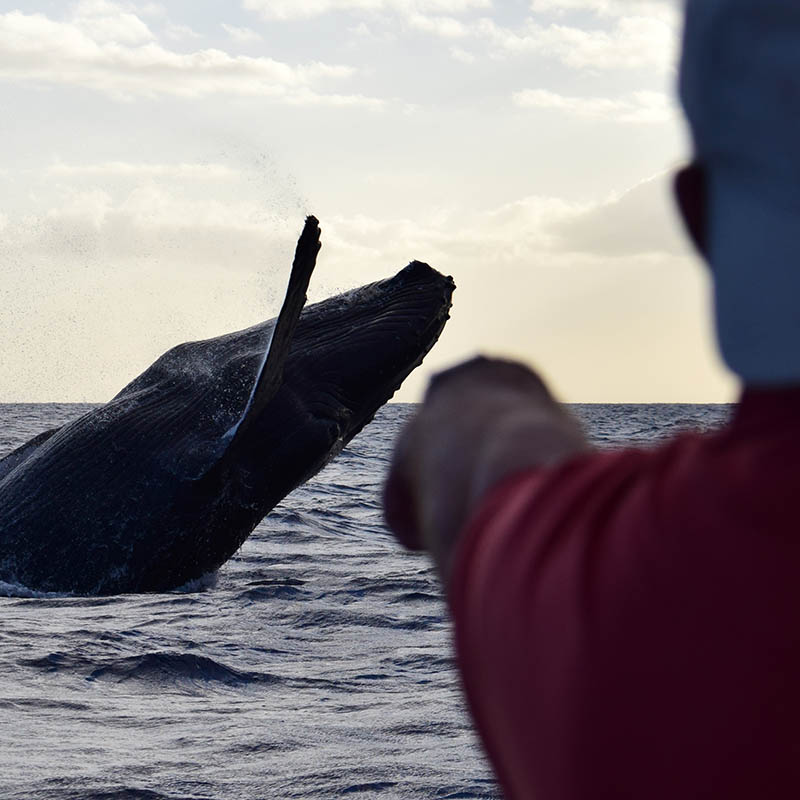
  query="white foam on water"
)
[{"x": 20, "y": 590}]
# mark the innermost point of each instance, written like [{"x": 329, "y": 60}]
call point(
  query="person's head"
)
[{"x": 740, "y": 87}]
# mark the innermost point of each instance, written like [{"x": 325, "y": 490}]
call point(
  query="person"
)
[{"x": 626, "y": 623}]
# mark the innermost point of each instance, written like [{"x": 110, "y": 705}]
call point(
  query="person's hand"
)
[{"x": 480, "y": 422}]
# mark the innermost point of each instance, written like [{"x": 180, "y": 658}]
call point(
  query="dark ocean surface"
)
[{"x": 315, "y": 664}]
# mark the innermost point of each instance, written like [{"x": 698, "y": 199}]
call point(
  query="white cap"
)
[{"x": 740, "y": 86}]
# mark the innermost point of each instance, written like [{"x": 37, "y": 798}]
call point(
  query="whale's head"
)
[{"x": 351, "y": 352}]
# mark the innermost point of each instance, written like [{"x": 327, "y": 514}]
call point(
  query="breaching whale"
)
[{"x": 165, "y": 482}]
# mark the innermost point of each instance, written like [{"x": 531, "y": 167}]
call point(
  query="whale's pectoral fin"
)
[
  {"x": 270, "y": 375},
  {"x": 203, "y": 451}
]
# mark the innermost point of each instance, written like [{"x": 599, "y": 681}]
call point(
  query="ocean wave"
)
[
  {"x": 37, "y": 704},
  {"x": 334, "y": 617},
  {"x": 58, "y": 662},
  {"x": 367, "y": 585},
  {"x": 416, "y": 597},
  {"x": 425, "y": 662},
  {"x": 131, "y": 793},
  {"x": 176, "y": 668},
  {"x": 204, "y": 583},
  {"x": 274, "y": 591},
  {"x": 447, "y": 729},
  {"x": 13, "y": 589},
  {"x": 160, "y": 667},
  {"x": 369, "y": 788}
]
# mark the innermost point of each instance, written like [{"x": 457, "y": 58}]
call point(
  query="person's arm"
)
[{"x": 480, "y": 422}]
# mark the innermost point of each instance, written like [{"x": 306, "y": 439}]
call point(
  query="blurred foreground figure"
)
[{"x": 628, "y": 624}]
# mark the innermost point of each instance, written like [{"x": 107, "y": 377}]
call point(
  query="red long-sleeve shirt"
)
[{"x": 628, "y": 624}]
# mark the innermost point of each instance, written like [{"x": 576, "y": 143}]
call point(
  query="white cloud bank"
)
[
  {"x": 667, "y": 10},
  {"x": 640, "y": 222},
  {"x": 638, "y": 107},
  {"x": 104, "y": 48},
  {"x": 631, "y": 42},
  {"x": 299, "y": 9},
  {"x": 241, "y": 35},
  {"x": 118, "y": 277},
  {"x": 629, "y": 34},
  {"x": 140, "y": 170}
]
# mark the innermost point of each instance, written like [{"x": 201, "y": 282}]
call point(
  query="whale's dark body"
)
[{"x": 151, "y": 491}]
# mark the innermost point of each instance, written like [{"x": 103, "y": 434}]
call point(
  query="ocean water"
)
[{"x": 315, "y": 664}]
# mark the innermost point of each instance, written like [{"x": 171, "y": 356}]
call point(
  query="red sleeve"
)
[{"x": 626, "y": 623}]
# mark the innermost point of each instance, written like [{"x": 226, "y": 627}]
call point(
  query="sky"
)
[{"x": 157, "y": 160}]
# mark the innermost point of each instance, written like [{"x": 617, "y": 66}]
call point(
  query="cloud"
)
[
  {"x": 103, "y": 21},
  {"x": 629, "y": 34},
  {"x": 637, "y": 107},
  {"x": 181, "y": 33},
  {"x": 145, "y": 219},
  {"x": 640, "y": 221},
  {"x": 298, "y": 9},
  {"x": 667, "y": 10},
  {"x": 140, "y": 170},
  {"x": 446, "y": 27},
  {"x": 96, "y": 50},
  {"x": 151, "y": 9},
  {"x": 464, "y": 56},
  {"x": 125, "y": 209},
  {"x": 124, "y": 220},
  {"x": 154, "y": 219},
  {"x": 242, "y": 35},
  {"x": 635, "y": 42},
  {"x": 622, "y": 34}
]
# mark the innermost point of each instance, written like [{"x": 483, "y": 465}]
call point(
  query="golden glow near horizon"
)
[{"x": 158, "y": 159}]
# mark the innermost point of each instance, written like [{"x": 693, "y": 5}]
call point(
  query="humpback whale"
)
[{"x": 165, "y": 482}]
